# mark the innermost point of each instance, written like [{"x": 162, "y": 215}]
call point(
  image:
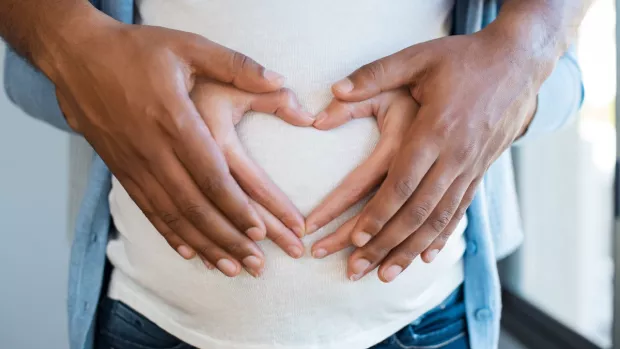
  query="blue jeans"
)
[{"x": 444, "y": 327}]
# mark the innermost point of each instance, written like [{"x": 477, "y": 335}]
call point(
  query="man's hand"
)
[
  {"x": 127, "y": 90},
  {"x": 222, "y": 107},
  {"x": 476, "y": 96}
]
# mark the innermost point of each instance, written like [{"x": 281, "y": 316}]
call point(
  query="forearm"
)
[
  {"x": 539, "y": 31},
  {"x": 549, "y": 26},
  {"x": 41, "y": 30}
]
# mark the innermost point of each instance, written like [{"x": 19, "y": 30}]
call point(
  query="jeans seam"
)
[{"x": 433, "y": 346}]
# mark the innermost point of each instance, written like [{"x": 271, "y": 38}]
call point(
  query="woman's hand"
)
[
  {"x": 395, "y": 111},
  {"x": 222, "y": 107},
  {"x": 477, "y": 94}
]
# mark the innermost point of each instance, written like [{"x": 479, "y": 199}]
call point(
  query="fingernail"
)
[
  {"x": 311, "y": 229},
  {"x": 355, "y": 277},
  {"x": 255, "y": 234},
  {"x": 185, "y": 252},
  {"x": 360, "y": 266},
  {"x": 227, "y": 267},
  {"x": 319, "y": 253},
  {"x": 320, "y": 117},
  {"x": 345, "y": 85},
  {"x": 252, "y": 262},
  {"x": 273, "y": 76},
  {"x": 392, "y": 272},
  {"x": 255, "y": 273},
  {"x": 299, "y": 232},
  {"x": 294, "y": 251},
  {"x": 431, "y": 255},
  {"x": 208, "y": 265},
  {"x": 360, "y": 239}
]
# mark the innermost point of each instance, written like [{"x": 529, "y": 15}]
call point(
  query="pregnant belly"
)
[{"x": 313, "y": 44}]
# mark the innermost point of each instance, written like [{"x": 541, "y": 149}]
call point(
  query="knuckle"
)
[
  {"x": 277, "y": 237},
  {"x": 442, "y": 220},
  {"x": 404, "y": 187},
  {"x": 198, "y": 215},
  {"x": 207, "y": 250},
  {"x": 377, "y": 253},
  {"x": 172, "y": 220},
  {"x": 212, "y": 185},
  {"x": 286, "y": 97},
  {"x": 409, "y": 255},
  {"x": 237, "y": 63},
  {"x": 460, "y": 212},
  {"x": 236, "y": 248},
  {"x": 444, "y": 236},
  {"x": 443, "y": 128},
  {"x": 375, "y": 70},
  {"x": 465, "y": 152},
  {"x": 417, "y": 214}
]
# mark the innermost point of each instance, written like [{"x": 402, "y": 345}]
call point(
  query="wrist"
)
[
  {"x": 525, "y": 43},
  {"x": 65, "y": 37}
]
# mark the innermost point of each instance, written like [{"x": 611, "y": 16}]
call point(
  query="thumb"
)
[
  {"x": 217, "y": 62},
  {"x": 401, "y": 68},
  {"x": 283, "y": 104}
]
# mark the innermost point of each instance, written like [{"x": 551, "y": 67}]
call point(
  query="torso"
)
[{"x": 303, "y": 303}]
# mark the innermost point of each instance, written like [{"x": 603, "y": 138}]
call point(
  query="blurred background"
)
[{"x": 558, "y": 287}]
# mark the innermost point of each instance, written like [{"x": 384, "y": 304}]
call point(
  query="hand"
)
[
  {"x": 395, "y": 111},
  {"x": 477, "y": 94},
  {"x": 126, "y": 89},
  {"x": 222, "y": 107}
]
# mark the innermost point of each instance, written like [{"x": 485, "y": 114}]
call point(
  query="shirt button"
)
[
  {"x": 483, "y": 314},
  {"x": 472, "y": 248}
]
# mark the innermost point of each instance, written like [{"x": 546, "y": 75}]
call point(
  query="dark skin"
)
[
  {"x": 477, "y": 94},
  {"x": 127, "y": 89}
]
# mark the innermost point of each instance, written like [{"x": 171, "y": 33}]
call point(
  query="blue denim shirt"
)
[{"x": 494, "y": 228}]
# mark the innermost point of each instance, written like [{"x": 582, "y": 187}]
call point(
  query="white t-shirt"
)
[{"x": 296, "y": 304}]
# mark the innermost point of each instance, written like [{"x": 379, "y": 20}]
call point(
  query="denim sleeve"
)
[
  {"x": 32, "y": 91},
  {"x": 559, "y": 98}
]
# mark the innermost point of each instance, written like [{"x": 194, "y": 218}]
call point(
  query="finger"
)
[
  {"x": 438, "y": 244},
  {"x": 393, "y": 121},
  {"x": 408, "y": 219},
  {"x": 338, "y": 113},
  {"x": 255, "y": 181},
  {"x": 220, "y": 63},
  {"x": 356, "y": 185},
  {"x": 175, "y": 241},
  {"x": 405, "y": 253},
  {"x": 202, "y": 158},
  {"x": 207, "y": 263},
  {"x": 176, "y": 223},
  {"x": 283, "y": 104},
  {"x": 399, "y": 69},
  {"x": 204, "y": 216},
  {"x": 334, "y": 242},
  {"x": 408, "y": 168},
  {"x": 251, "y": 177},
  {"x": 280, "y": 234}
]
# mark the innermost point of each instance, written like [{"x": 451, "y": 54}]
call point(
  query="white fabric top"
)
[{"x": 306, "y": 303}]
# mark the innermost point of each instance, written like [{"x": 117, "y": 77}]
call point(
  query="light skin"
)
[{"x": 129, "y": 90}]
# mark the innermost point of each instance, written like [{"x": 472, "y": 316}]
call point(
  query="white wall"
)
[{"x": 35, "y": 194}]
